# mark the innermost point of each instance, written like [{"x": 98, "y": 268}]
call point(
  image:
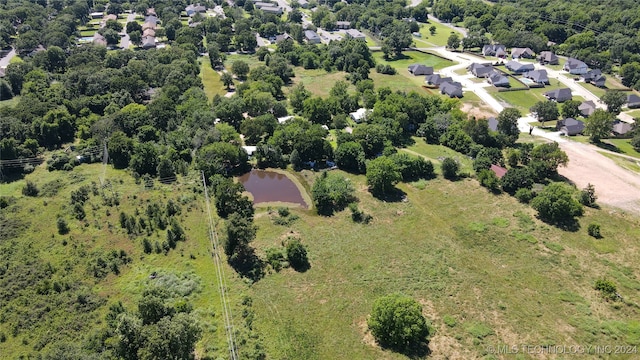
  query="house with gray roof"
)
[
  {"x": 633, "y": 101},
  {"x": 522, "y": 53},
  {"x": 419, "y": 69},
  {"x": 559, "y": 95},
  {"x": 497, "y": 79},
  {"x": 355, "y": 34},
  {"x": 496, "y": 50},
  {"x": 311, "y": 37},
  {"x": 453, "y": 89},
  {"x": 548, "y": 58},
  {"x": 538, "y": 76},
  {"x": 343, "y": 25},
  {"x": 480, "y": 70},
  {"x": 570, "y": 126},
  {"x": 303, "y": 4},
  {"x": 587, "y": 108},
  {"x": 148, "y": 42},
  {"x": 594, "y": 77},
  {"x": 621, "y": 128},
  {"x": 436, "y": 79},
  {"x": 519, "y": 68},
  {"x": 575, "y": 66}
]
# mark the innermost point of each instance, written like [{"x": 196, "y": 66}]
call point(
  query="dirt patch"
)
[
  {"x": 478, "y": 111},
  {"x": 446, "y": 347},
  {"x": 614, "y": 185},
  {"x": 367, "y": 337}
]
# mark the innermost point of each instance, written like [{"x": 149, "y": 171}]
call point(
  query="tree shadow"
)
[
  {"x": 607, "y": 146},
  {"x": 301, "y": 267},
  {"x": 413, "y": 351},
  {"x": 571, "y": 225},
  {"x": 248, "y": 264},
  {"x": 395, "y": 195}
]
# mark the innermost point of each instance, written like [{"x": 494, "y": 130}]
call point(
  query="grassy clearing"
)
[
  {"x": 485, "y": 269},
  {"x": 250, "y": 59},
  {"x": 441, "y": 35},
  {"x": 87, "y": 32},
  {"x": 318, "y": 81},
  {"x": 437, "y": 153},
  {"x": 525, "y": 99},
  {"x": 625, "y": 163},
  {"x": 624, "y": 146},
  {"x": 401, "y": 65},
  {"x": 211, "y": 80},
  {"x": 399, "y": 82}
]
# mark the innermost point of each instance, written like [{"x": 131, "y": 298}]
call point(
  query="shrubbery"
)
[
  {"x": 594, "y": 230},
  {"x": 332, "y": 192},
  {"x": 397, "y": 322},
  {"x": 449, "y": 168}
]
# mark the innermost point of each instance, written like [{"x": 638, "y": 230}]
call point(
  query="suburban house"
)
[
  {"x": 418, "y": 69},
  {"x": 522, "y": 53},
  {"x": 99, "y": 39},
  {"x": 519, "y": 68},
  {"x": 497, "y": 79},
  {"x": 621, "y": 128},
  {"x": 496, "y": 50},
  {"x": 575, "y": 66},
  {"x": 587, "y": 108},
  {"x": 148, "y": 42},
  {"x": 149, "y": 32},
  {"x": 148, "y": 25},
  {"x": 152, "y": 19},
  {"x": 480, "y": 70},
  {"x": 311, "y": 37},
  {"x": 277, "y": 10},
  {"x": 547, "y": 57},
  {"x": 633, "y": 101},
  {"x": 355, "y": 34},
  {"x": 283, "y": 37},
  {"x": 570, "y": 126},
  {"x": 436, "y": 79},
  {"x": 538, "y": 76},
  {"x": 493, "y": 124},
  {"x": 559, "y": 95},
  {"x": 193, "y": 9},
  {"x": 453, "y": 89},
  {"x": 594, "y": 77},
  {"x": 107, "y": 18},
  {"x": 96, "y": 15},
  {"x": 151, "y": 11},
  {"x": 303, "y": 4},
  {"x": 359, "y": 115},
  {"x": 498, "y": 170},
  {"x": 344, "y": 25}
]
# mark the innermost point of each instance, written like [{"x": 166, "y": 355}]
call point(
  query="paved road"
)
[
  {"x": 575, "y": 87},
  {"x": 7, "y": 58},
  {"x": 124, "y": 39}
]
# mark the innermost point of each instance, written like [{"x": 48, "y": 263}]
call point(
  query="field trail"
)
[{"x": 615, "y": 186}]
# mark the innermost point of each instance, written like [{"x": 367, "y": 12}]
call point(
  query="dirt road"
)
[{"x": 614, "y": 185}]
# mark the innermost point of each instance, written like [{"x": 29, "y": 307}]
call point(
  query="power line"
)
[{"x": 226, "y": 309}]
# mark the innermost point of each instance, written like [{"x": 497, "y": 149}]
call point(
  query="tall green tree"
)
[
  {"x": 382, "y": 175},
  {"x": 545, "y": 111},
  {"x": 599, "y": 125},
  {"x": 397, "y": 322},
  {"x": 508, "y": 124},
  {"x": 614, "y": 101}
]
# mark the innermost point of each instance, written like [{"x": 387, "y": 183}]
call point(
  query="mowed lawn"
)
[
  {"x": 482, "y": 262},
  {"x": 439, "y": 38},
  {"x": 211, "y": 79},
  {"x": 409, "y": 58},
  {"x": 525, "y": 99},
  {"x": 317, "y": 81}
]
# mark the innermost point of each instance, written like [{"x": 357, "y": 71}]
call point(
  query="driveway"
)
[
  {"x": 575, "y": 87},
  {"x": 7, "y": 58},
  {"x": 124, "y": 39}
]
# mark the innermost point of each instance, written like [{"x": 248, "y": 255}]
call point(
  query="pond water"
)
[
  {"x": 86, "y": 39},
  {"x": 270, "y": 186}
]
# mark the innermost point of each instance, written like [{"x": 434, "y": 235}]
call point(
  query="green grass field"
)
[
  {"x": 633, "y": 113},
  {"x": 403, "y": 78},
  {"x": 211, "y": 80},
  {"x": 483, "y": 262},
  {"x": 624, "y": 146},
  {"x": 250, "y": 59},
  {"x": 97, "y": 234},
  {"x": 525, "y": 99},
  {"x": 318, "y": 81},
  {"x": 439, "y": 38}
]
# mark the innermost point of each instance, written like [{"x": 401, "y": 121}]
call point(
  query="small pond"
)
[
  {"x": 270, "y": 186},
  {"x": 85, "y": 39}
]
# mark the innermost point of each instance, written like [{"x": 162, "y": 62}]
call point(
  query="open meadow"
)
[{"x": 486, "y": 271}]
